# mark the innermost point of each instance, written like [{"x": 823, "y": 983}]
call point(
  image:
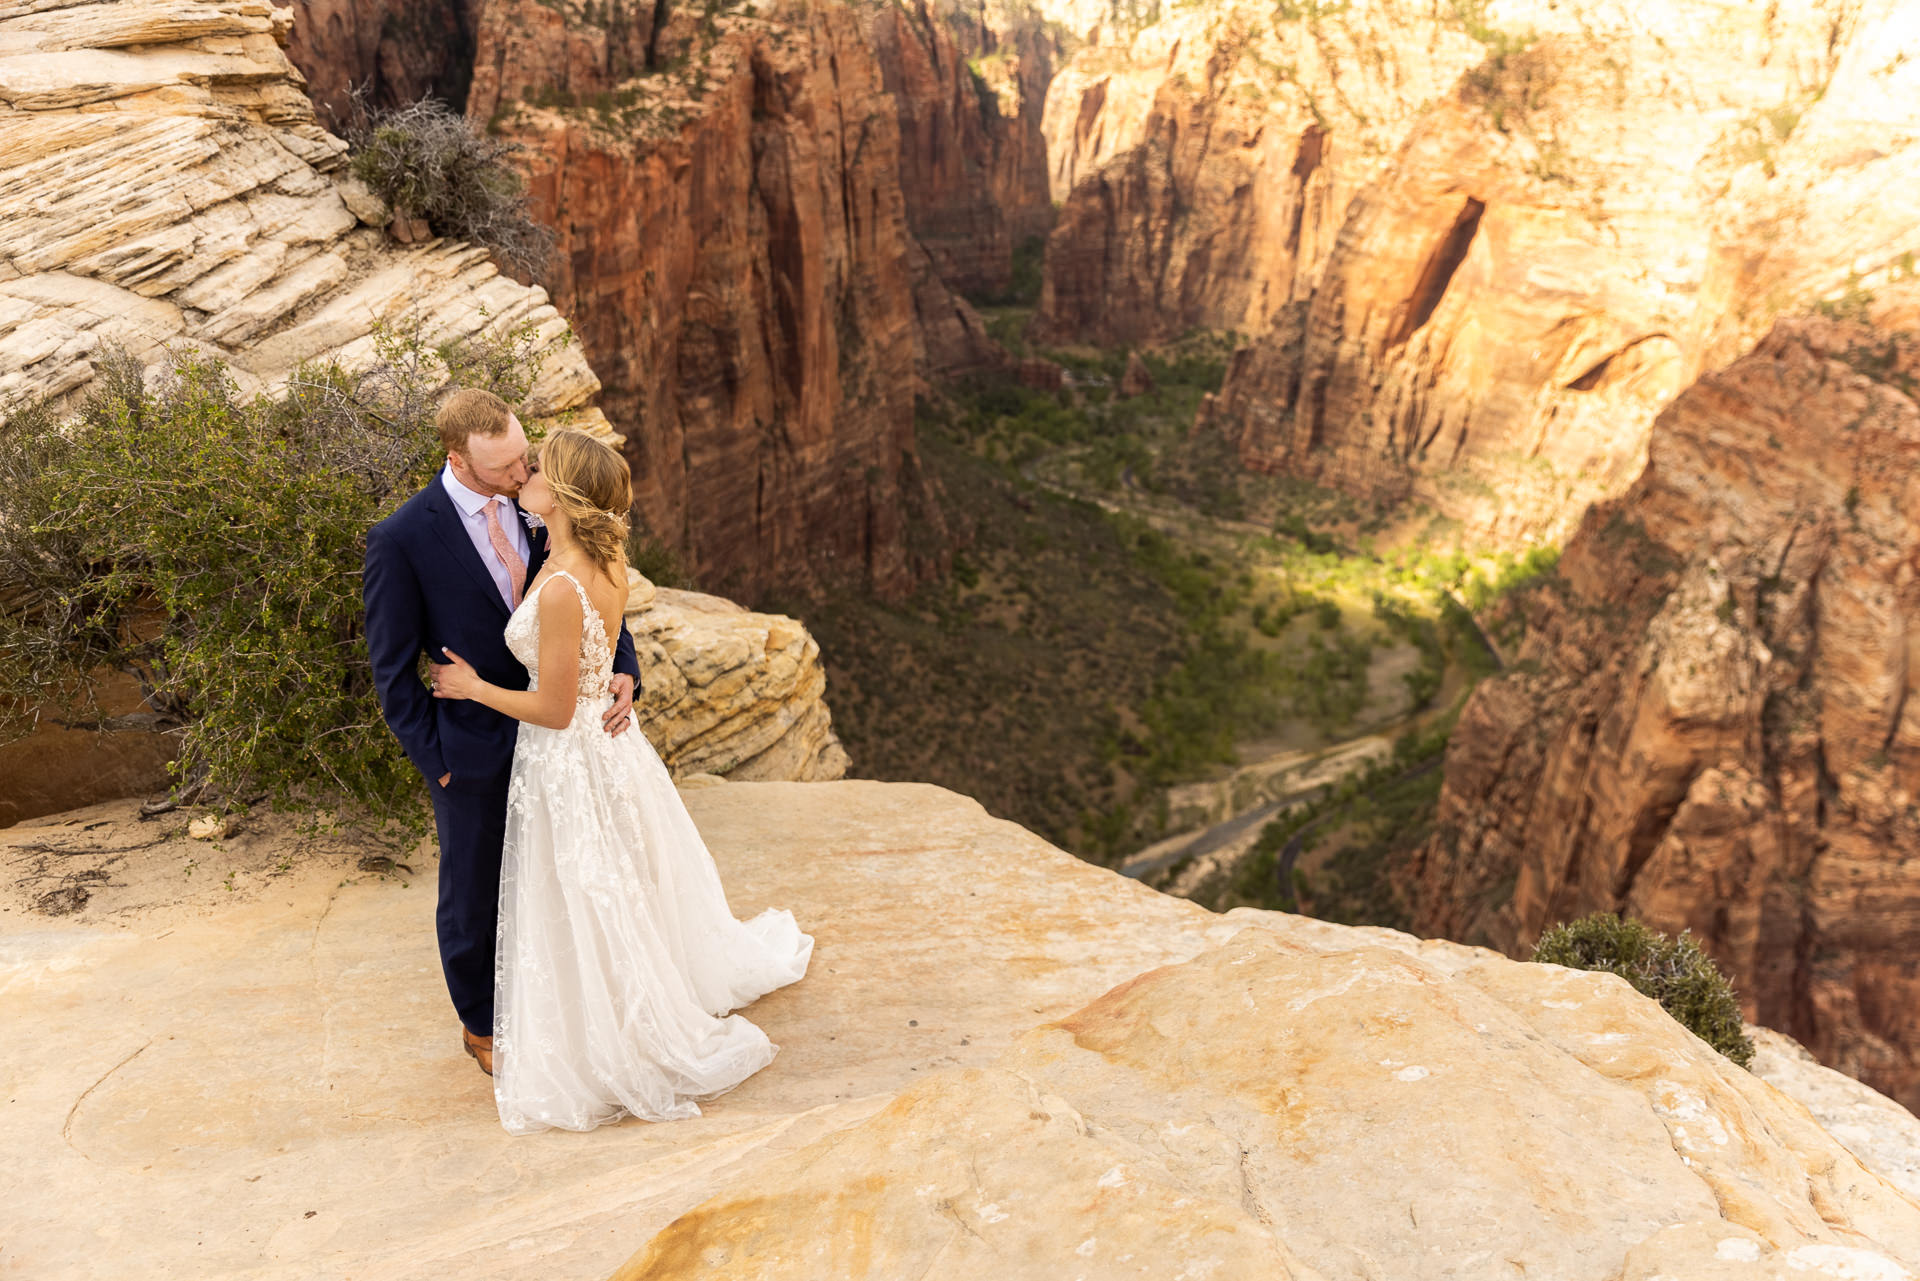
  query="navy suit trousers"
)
[{"x": 471, "y": 818}]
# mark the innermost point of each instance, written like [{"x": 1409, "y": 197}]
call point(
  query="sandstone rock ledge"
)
[
  {"x": 264, "y": 1081},
  {"x": 727, "y": 691}
]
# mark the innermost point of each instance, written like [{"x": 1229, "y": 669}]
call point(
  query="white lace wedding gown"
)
[{"x": 617, "y": 952}]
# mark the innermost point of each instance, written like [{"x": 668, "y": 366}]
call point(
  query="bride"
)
[{"x": 618, "y": 957}]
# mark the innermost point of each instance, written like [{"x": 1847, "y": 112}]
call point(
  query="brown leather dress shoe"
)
[{"x": 480, "y": 1048}]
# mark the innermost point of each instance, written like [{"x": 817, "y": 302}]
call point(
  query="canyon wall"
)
[
  {"x": 395, "y": 51},
  {"x": 1475, "y": 251},
  {"x": 734, "y": 252},
  {"x": 1712, "y": 723},
  {"x": 1206, "y": 161},
  {"x": 972, "y": 155}
]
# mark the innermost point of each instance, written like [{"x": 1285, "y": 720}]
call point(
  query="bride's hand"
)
[{"x": 455, "y": 678}]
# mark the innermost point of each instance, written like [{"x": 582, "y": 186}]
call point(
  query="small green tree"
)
[
  {"x": 210, "y": 545},
  {"x": 428, "y": 161},
  {"x": 1673, "y": 971}
]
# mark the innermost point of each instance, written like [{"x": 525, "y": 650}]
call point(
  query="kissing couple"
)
[{"x": 584, "y": 933}]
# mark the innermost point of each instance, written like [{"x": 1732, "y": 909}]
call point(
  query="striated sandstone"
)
[
  {"x": 972, "y": 154},
  {"x": 165, "y": 183},
  {"x": 733, "y": 249},
  {"x": 728, "y": 692},
  {"x": 1206, "y": 161},
  {"x": 1712, "y": 724},
  {"x": 1390, "y": 1105}
]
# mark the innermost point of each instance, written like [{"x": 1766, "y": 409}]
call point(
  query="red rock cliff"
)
[
  {"x": 1206, "y": 161},
  {"x": 1476, "y": 256},
  {"x": 1713, "y": 724},
  {"x": 972, "y": 155},
  {"x": 399, "y": 51},
  {"x": 734, "y": 253}
]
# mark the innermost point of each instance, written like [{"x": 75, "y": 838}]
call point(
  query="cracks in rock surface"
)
[{"x": 66, "y": 1127}]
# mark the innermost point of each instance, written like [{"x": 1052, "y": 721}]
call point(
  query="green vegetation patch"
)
[
  {"x": 210, "y": 545},
  {"x": 1673, "y": 971}
]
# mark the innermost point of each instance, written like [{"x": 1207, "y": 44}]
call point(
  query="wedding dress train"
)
[{"x": 618, "y": 957}]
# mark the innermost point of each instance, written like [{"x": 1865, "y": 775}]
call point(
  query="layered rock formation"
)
[
  {"x": 727, "y": 692},
  {"x": 394, "y": 51},
  {"x": 1206, "y": 161},
  {"x": 1271, "y": 1095},
  {"x": 734, "y": 251},
  {"x": 973, "y": 158},
  {"x": 165, "y": 182},
  {"x": 1711, "y": 724},
  {"x": 1478, "y": 250}
]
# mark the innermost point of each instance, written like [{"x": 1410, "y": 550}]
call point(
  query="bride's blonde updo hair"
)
[{"x": 593, "y": 485}]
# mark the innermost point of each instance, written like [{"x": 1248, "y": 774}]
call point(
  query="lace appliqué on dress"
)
[{"x": 618, "y": 958}]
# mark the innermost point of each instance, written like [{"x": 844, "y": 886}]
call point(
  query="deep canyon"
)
[{"x": 1494, "y": 275}]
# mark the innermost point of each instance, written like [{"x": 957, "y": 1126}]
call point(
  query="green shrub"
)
[
  {"x": 428, "y": 161},
  {"x": 1673, "y": 971},
  {"x": 210, "y": 545}
]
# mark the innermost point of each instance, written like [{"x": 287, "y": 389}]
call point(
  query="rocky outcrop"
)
[
  {"x": 972, "y": 154},
  {"x": 733, "y": 250},
  {"x": 728, "y": 692},
  {"x": 1476, "y": 251},
  {"x": 165, "y": 182},
  {"x": 1274, "y": 1096},
  {"x": 1711, "y": 724},
  {"x": 394, "y": 51},
  {"x": 1263, "y": 1111}
]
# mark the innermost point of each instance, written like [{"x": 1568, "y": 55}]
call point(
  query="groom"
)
[{"x": 445, "y": 571}]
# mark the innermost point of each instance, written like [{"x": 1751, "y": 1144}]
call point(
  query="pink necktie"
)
[{"x": 516, "y": 568}]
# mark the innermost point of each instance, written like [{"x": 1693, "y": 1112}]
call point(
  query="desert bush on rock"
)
[
  {"x": 1673, "y": 971},
  {"x": 428, "y": 161},
  {"x": 210, "y": 545}
]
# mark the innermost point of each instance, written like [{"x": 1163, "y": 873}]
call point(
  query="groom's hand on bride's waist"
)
[{"x": 619, "y": 718}]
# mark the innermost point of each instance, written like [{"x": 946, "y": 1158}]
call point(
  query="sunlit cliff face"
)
[
  {"x": 1476, "y": 258},
  {"x": 1713, "y": 726}
]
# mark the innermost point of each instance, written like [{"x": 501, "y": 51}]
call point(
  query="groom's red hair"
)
[{"x": 470, "y": 412}]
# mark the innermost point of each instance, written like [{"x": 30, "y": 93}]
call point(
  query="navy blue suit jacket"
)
[{"x": 426, "y": 587}]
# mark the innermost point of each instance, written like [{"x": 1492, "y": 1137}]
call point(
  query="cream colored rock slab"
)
[
  {"x": 165, "y": 147},
  {"x": 108, "y": 26},
  {"x": 261, "y": 308},
  {"x": 1272, "y": 1109},
  {"x": 203, "y": 1075},
  {"x": 1884, "y": 1135},
  {"x": 728, "y": 691}
]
